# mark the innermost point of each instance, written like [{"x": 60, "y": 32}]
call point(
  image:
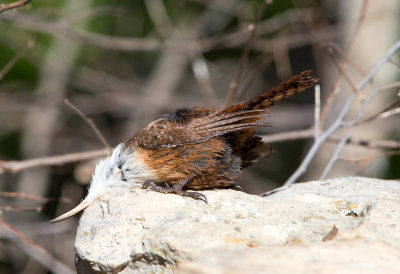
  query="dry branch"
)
[
  {"x": 309, "y": 133},
  {"x": 339, "y": 121},
  {"x": 344, "y": 64},
  {"x": 31, "y": 197},
  {"x": 15, "y": 59},
  {"x": 231, "y": 40},
  {"x": 21, "y": 208},
  {"x": 13, "y": 5},
  {"x": 243, "y": 59},
  {"x": 90, "y": 122},
  {"x": 16, "y": 166}
]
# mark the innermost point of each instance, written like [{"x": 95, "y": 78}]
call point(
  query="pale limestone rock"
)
[
  {"x": 141, "y": 232},
  {"x": 373, "y": 247}
]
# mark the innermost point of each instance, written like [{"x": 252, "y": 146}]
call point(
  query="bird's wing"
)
[{"x": 188, "y": 127}]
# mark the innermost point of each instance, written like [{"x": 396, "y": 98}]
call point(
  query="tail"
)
[
  {"x": 245, "y": 144},
  {"x": 284, "y": 90}
]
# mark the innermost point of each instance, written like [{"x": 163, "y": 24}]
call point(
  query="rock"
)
[
  {"x": 373, "y": 247},
  {"x": 141, "y": 232}
]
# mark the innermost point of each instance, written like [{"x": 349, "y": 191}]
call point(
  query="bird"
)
[{"x": 194, "y": 148}]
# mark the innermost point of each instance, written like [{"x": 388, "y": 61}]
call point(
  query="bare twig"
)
[
  {"x": 393, "y": 62},
  {"x": 90, "y": 123},
  {"x": 15, "y": 59},
  {"x": 33, "y": 229},
  {"x": 13, "y": 5},
  {"x": 35, "y": 251},
  {"x": 262, "y": 61},
  {"x": 346, "y": 77},
  {"x": 372, "y": 156},
  {"x": 309, "y": 133},
  {"x": 342, "y": 142},
  {"x": 288, "y": 136},
  {"x": 32, "y": 197},
  {"x": 389, "y": 113},
  {"x": 364, "y": 161},
  {"x": 345, "y": 62},
  {"x": 242, "y": 63},
  {"x": 159, "y": 16},
  {"x": 317, "y": 110},
  {"x": 336, "y": 48},
  {"x": 390, "y": 86},
  {"x": 386, "y": 112},
  {"x": 232, "y": 40},
  {"x": 339, "y": 121},
  {"x": 16, "y": 166},
  {"x": 21, "y": 208},
  {"x": 60, "y": 29}
]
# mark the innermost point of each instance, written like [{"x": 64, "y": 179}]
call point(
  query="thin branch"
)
[
  {"x": 317, "y": 110},
  {"x": 339, "y": 120},
  {"x": 389, "y": 144},
  {"x": 32, "y": 197},
  {"x": 373, "y": 156},
  {"x": 389, "y": 113},
  {"x": 281, "y": 57},
  {"x": 159, "y": 16},
  {"x": 288, "y": 136},
  {"x": 393, "y": 62},
  {"x": 35, "y": 251},
  {"x": 21, "y": 208},
  {"x": 15, "y": 59},
  {"x": 13, "y": 5},
  {"x": 334, "y": 47},
  {"x": 342, "y": 142},
  {"x": 257, "y": 68},
  {"x": 16, "y": 166},
  {"x": 390, "y": 86},
  {"x": 386, "y": 112},
  {"x": 367, "y": 79},
  {"x": 364, "y": 161},
  {"x": 60, "y": 29},
  {"x": 345, "y": 62},
  {"x": 90, "y": 123},
  {"x": 231, "y": 40},
  {"x": 41, "y": 228},
  {"x": 309, "y": 133},
  {"x": 242, "y": 63},
  {"x": 343, "y": 73}
]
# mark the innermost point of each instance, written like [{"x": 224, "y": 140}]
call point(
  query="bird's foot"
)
[{"x": 176, "y": 189}]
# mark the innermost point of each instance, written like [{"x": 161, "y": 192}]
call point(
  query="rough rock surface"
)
[{"x": 141, "y": 232}]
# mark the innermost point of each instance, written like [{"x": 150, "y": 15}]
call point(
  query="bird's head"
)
[{"x": 107, "y": 176}]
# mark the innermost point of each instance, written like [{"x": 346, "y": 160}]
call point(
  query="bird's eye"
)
[{"x": 120, "y": 165}]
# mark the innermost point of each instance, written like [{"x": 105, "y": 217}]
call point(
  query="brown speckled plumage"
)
[{"x": 208, "y": 146}]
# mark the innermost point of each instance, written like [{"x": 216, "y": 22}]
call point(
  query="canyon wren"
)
[{"x": 193, "y": 148}]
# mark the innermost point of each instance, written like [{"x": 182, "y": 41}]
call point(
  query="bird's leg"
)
[{"x": 177, "y": 189}]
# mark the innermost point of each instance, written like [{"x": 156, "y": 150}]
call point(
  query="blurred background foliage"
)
[{"x": 125, "y": 63}]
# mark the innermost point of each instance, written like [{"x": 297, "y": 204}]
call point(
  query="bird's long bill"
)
[{"x": 84, "y": 204}]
